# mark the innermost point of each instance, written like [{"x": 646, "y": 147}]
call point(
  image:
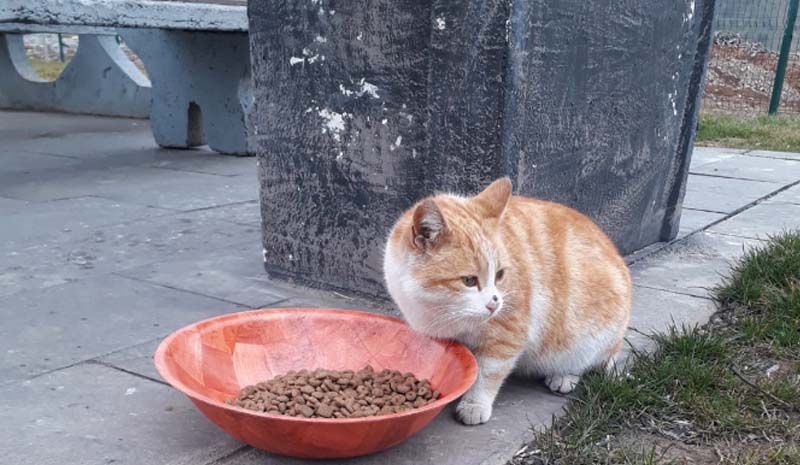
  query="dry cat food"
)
[{"x": 337, "y": 394}]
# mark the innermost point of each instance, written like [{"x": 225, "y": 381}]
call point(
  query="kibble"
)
[{"x": 337, "y": 394}]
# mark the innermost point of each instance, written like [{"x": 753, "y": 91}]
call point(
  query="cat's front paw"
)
[
  {"x": 562, "y": 384},
  {"x": 472, "y": 412}
]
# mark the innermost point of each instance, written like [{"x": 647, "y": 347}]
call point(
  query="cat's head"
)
[{"x": 445, "y": 265}]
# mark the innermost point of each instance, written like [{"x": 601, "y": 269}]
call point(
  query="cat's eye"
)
[
  {"x": 499, "y": 276},
  {"x": 470, "y": 281}
]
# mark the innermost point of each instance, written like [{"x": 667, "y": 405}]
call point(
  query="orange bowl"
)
[{"x": 212, "y": 360}]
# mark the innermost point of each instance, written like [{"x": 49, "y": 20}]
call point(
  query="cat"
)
[{"x": 526, "y": 284}]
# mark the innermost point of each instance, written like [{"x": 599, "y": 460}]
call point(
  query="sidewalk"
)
[{"x": 108, "y": 244}]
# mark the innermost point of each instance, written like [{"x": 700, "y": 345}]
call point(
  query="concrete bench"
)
[{"x": 196, "y": 53}]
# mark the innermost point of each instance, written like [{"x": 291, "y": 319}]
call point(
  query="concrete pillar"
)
[{"x": 363, "y": 108}]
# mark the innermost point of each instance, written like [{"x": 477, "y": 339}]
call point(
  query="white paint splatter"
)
[
  {"x": 441, "y": 24},
  {"x": 384, "y": 122},
  {"x": 413, "y": 153},
  {"x": 674, "y": 108},
  {"x": 332, "y": 12},
  {"x": 295, "y": 60},
  {"x": 291, "y": 257},
  {"x": 311, "y": 57},
  {"x": 344, "y": 90},
  {"x": 320, "y": 39},
  {"x": 360, "y": 36},
  {"x": 364, "y": 87},
  {"x": 398, "y": 141},
  {"x": 340, "y": 156},
  {"x": 368, "y": 88},
  {"x": 334, "y": 123},
  {"x": 130, "y": 391}
]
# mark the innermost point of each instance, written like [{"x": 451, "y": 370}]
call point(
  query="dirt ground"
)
[{"x": 741, "y": 74}]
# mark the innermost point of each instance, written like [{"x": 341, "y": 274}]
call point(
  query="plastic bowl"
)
[{"x": 212, "y": 360}]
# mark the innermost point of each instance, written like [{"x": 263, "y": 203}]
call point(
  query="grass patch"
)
[
  {"x": 46, "y": 69},
  {"x": 725, "y": 393},
  {"x": 780, "y": 132}
]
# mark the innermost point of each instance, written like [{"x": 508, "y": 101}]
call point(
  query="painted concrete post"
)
[
  {"x": 363, "y": 108},
  {"x": 100, "y": 80},
  {"x": 201, "y": 86}
]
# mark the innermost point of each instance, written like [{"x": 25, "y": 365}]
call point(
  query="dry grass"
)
[
  {"x": 780, "y": 133},
  {"x": 49, "y": 70}
]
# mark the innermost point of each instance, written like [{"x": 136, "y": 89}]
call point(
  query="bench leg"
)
[
  {"x": 99, "y": 80},
  {"x": 201, "y": 87}
]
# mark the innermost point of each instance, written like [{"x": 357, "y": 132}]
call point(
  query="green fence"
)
[{"x": 755, "y": 61}]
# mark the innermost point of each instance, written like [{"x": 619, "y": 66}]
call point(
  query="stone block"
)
[
  {"x": 201, "y": 87},
  {"x": 100, "y": 79},
  {"x": 364, "y": 108}
]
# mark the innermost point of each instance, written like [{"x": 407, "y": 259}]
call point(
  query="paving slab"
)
[
  {"x": 135, "y": 359},
  {"x": 753, "y": 168},
  {"x": 62, "y": 325},
  {"x": 790, "y": 195},
  {"x": 9, "y": 206},
  {"x": 704, "y": 155},
  {"x": 761, "y": 221},
  {"x": 83, "y": 253},
  {"x": 92, "y": 414},
  {"x": 17, "y": 163},
  {"x": 30, "y": 126},
  {"x": 692, "y": 266},
  {"x": 112, "y": 146},
  {"x": 655, "y": 311},
  {"x": 774, "y": 154},
  {"x": 68, "y": 218},
  {"x": 246, "y": 213},
  {"x": 695, "y": 220},
  {"x": 723, "y": 195},
  {"x": 234, "y": 273},
  {"x": 204, "y": 161},
  {"x": 153, "y": 187},
  {"x": 129, "y": 144}
]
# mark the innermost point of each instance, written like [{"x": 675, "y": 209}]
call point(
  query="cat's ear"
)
[
  {"x": 429, "y": 225},
  {"x": 494, "y": 199}
]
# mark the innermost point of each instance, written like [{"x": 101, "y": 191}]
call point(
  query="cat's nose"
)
[{"x": 492, "y": 305}]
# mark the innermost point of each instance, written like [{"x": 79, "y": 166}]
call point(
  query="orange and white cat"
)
[{"x": 526, "y": 284}]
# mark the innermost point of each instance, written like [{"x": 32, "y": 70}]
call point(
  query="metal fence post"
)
[
  {"x": 60, "y": 48},
  {"x": 783, "y": 59}
]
